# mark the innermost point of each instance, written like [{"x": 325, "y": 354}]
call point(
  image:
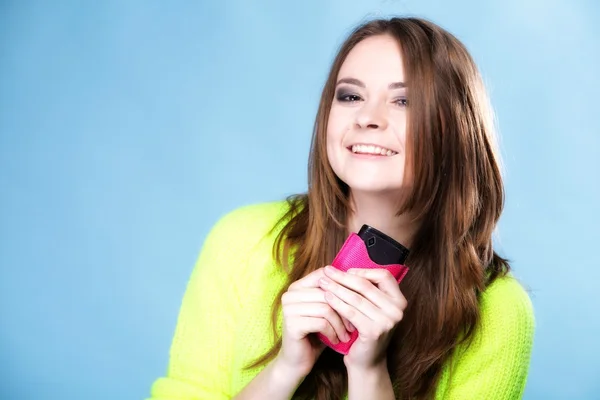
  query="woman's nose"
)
[{"x": 371, "y": 116}]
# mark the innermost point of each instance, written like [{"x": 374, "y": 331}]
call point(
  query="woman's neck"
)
[{"x": 379, "y": 211}]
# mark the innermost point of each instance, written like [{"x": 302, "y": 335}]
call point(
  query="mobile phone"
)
[{"x": 382, "y": 249}]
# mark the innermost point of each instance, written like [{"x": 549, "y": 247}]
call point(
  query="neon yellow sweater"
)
[{"x": 224, "y": 321}]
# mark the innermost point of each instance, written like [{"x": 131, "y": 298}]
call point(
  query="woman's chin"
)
[{"x": 374, "y": 187}]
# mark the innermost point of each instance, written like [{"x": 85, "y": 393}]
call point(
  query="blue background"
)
[{"x": 128, "y": 128}]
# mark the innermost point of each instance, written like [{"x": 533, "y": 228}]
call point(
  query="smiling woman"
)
[
  {"x": 404, "y": 142},
  {"x": 369, "y": 116}
]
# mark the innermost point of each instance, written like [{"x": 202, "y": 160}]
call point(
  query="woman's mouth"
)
[{"x": 372, "y": 150}]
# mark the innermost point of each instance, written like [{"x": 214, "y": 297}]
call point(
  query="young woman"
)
[{"x": 404, "y": 142}]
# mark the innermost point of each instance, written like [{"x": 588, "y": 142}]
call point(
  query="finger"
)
[
  {"x": 358, "y": 319},
  {"x": 300, "y": 327},
  {"x": 347, "y": 324},
  {"x": 359, "y": 285},
  {"x": 309, "y": 281},
  {"x": 383, "y": 279},
  {"x": 319, "y": 310},
  {"x": 352, "y": 298},
  {"x": 310, "y": 295},
  {"x": 314, "y": 295}
]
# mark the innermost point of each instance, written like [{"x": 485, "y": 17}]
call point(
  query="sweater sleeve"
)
[
  {"x": 495, "y": 365},
  {"x": 202, "y": 347}
]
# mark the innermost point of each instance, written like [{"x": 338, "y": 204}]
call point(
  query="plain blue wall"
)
[{"x": 128, "y": 128}]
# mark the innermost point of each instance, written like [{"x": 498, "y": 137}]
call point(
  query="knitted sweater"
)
[{"x": 224, "y": 321}]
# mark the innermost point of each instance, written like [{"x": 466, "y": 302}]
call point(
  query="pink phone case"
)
[{"x": 354, "y": 254}]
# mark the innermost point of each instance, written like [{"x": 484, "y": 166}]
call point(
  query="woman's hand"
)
[
  {"x": 306, "y": 311},
  {"x": 371, "y": 300}
]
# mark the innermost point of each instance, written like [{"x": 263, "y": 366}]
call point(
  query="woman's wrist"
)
[
  {"x": 369, "y": 382},
  {"x": 287, "y": 375},
  {"x": 374, "y": 374},
  {"x": 370, "y": 372},
  {"x": 276, "y": 382}
]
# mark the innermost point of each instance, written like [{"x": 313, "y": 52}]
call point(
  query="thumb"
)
[{"x": 309, "y": 281}]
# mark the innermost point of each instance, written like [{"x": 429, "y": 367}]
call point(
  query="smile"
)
[{"x": 371, "y": 149}]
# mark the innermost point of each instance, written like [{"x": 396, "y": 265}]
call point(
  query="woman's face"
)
[{"x": 366, "y": 130}]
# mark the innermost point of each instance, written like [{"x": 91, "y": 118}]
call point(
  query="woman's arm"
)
[
  {"x": 371, "y": 300},
  {"x": 495, "y": 365},
  {"x": 305, "y": 311},
  {"x": 370, "y": 384},
  {"x": 275, "y": 382},
  {"x": 202, "y": 347}
]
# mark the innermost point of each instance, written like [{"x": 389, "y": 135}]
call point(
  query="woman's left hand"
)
[{"x": 371, "y": 300}]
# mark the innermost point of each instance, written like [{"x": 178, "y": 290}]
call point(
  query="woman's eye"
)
[
  {"x": 347, "y": 97},
  {"x": 402, "y": 102}
]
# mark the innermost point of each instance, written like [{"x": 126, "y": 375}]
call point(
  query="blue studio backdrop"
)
[{"x": 127, "y": 128}]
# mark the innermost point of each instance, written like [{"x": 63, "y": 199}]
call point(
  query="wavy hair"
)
[{"x": 457, "y": 197}]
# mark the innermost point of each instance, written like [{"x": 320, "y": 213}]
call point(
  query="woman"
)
[{"x": 404, "y": 142}]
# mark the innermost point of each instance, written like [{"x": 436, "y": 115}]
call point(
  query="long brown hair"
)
[{"x": 457, "y": 196}]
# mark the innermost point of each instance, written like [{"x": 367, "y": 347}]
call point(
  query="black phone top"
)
[{"x": 382, "y": 249}]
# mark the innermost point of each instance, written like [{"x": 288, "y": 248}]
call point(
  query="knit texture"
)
[{"x": 225, "y": 317}]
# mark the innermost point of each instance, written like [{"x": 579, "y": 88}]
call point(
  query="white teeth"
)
[{"x": 371, "y": 149}]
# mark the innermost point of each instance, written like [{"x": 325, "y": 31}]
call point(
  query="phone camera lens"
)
[{"x": 371, "y": 241}]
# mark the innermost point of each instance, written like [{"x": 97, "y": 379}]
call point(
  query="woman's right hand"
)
[{"x": 305, "y": 311}]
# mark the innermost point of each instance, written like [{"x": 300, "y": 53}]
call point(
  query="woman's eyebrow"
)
[
  {"x": 351, "y": 81},
  {"x": 356, "y": 82},
  {"x": 397, "y": 85}
]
